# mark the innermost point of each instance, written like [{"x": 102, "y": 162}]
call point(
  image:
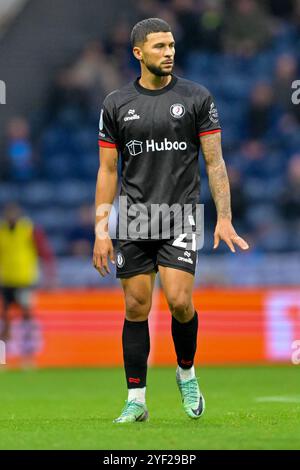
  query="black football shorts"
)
[{"x": 140, "y": 257}]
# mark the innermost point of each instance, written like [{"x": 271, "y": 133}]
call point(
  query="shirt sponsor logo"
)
[
  {"x": 166, "y": 144},
  {"x": 213, "y": 113},
  {"x": 135, "y": 147},
  {"x": 131, "y": 115},
  {"x": 177, "y": 110}
]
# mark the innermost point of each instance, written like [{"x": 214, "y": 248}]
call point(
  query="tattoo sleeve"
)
[{"x": 217, "y": 174}]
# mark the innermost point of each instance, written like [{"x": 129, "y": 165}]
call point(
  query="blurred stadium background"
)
[{"x": 58, "y": 63}]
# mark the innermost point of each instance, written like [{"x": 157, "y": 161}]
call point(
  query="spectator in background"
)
[
  {"x": 20, "y": 159},
  {"x": 253, "y": 159},
  {"x": 117, "y": 47},
  {"x": 238, "y": 197},
  {"x": 78, "y": 88},
  {"x": 282, "y": 9},
  {"x": 290, "y": 197},
  {"x": 95, "y": 72},
  {"x": 187, "y": 30},
  {"x": 211, "y": 25},
  {"x": 286, "y": 71},
  {"x": 148, "y": 8},
  {"x": 261, "y": 110},
  {"x": 82, "y": 236},
  {"x": 66, "y": 95},
  {"x": 295, "y": 18},
  {"x": 260, "y": 162},
  {"x": 21, "y": 246},
  {"x": 247, "y": 28}
]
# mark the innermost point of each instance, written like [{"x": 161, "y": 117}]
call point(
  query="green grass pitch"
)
[{"x": 246, "y": 408}]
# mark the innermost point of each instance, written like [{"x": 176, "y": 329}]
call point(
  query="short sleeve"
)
[
  {"x": 207, "y": 116},
  {"x": 107, "y": 125}
]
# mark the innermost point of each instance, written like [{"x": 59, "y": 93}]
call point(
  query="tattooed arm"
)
[{"x": 219, "y": 186}]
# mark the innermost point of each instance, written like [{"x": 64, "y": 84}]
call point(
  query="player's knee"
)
[
  {"x": 180, "y": 306},
  {"x": 137, "y": 307}
]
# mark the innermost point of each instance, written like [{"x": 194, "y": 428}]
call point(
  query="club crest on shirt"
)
[
  {"x": 213, "y": 113},
  {"x": 177, "y": 110}
]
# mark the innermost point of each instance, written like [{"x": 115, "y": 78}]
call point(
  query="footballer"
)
[{"x": 158, "y": 123}]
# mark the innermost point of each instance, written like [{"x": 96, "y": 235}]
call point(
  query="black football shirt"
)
[{"x": 157, "y": 133}]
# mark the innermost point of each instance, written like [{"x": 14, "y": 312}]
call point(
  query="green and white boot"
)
[
  {"x": 133, "y": 411},
  {"x": 192, "y": 398}
]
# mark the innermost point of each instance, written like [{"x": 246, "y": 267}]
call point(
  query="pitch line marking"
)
[{"x": 279, "y": 399}]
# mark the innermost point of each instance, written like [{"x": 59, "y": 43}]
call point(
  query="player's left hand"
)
[{"x": 225, "y": 231}]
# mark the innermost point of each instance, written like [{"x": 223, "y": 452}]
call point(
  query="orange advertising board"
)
[{"x": 84, "y": 327}]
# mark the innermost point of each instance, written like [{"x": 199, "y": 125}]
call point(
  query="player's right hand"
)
[{"x": 103, "y": 250}]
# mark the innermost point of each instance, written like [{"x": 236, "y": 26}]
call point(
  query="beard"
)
[{"x": 157, "y": 70}]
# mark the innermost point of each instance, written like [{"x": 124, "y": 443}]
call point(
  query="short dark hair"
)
[{"x": 143, "y": 28}]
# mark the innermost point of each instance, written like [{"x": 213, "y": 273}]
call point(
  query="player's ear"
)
[{"x": 137, "y": 52}]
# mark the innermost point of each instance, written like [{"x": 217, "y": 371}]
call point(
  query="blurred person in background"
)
[
  {"x": 117, "y": 48},
  {"x": 290, "y": 196},
  {"x": 200, "y": 24},
  {"x": 21, "y": 245},
  {"x": 187, "y": 29},
  {"x": 95, "y": 72},
  {"x": 211, "y": 25},
  {"x": 77, "y": 87},
  {"x": 261, "y": 113},
  {"x": 295, "y": 18},
  {"x": 247, "y": 28},
  {"x": 280, "y": 8},
  {"x": 258, "y": 161},
  {"x": 64, "y": 95},
  {"x": 286, "y": 71},
  {"x": 82, "y": 235},
  {"x": 20, "y": 158}
]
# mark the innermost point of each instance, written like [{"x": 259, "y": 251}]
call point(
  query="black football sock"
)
[
  {"x": 185, "y": 341},
  {"x": 136, "y": 348}
]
